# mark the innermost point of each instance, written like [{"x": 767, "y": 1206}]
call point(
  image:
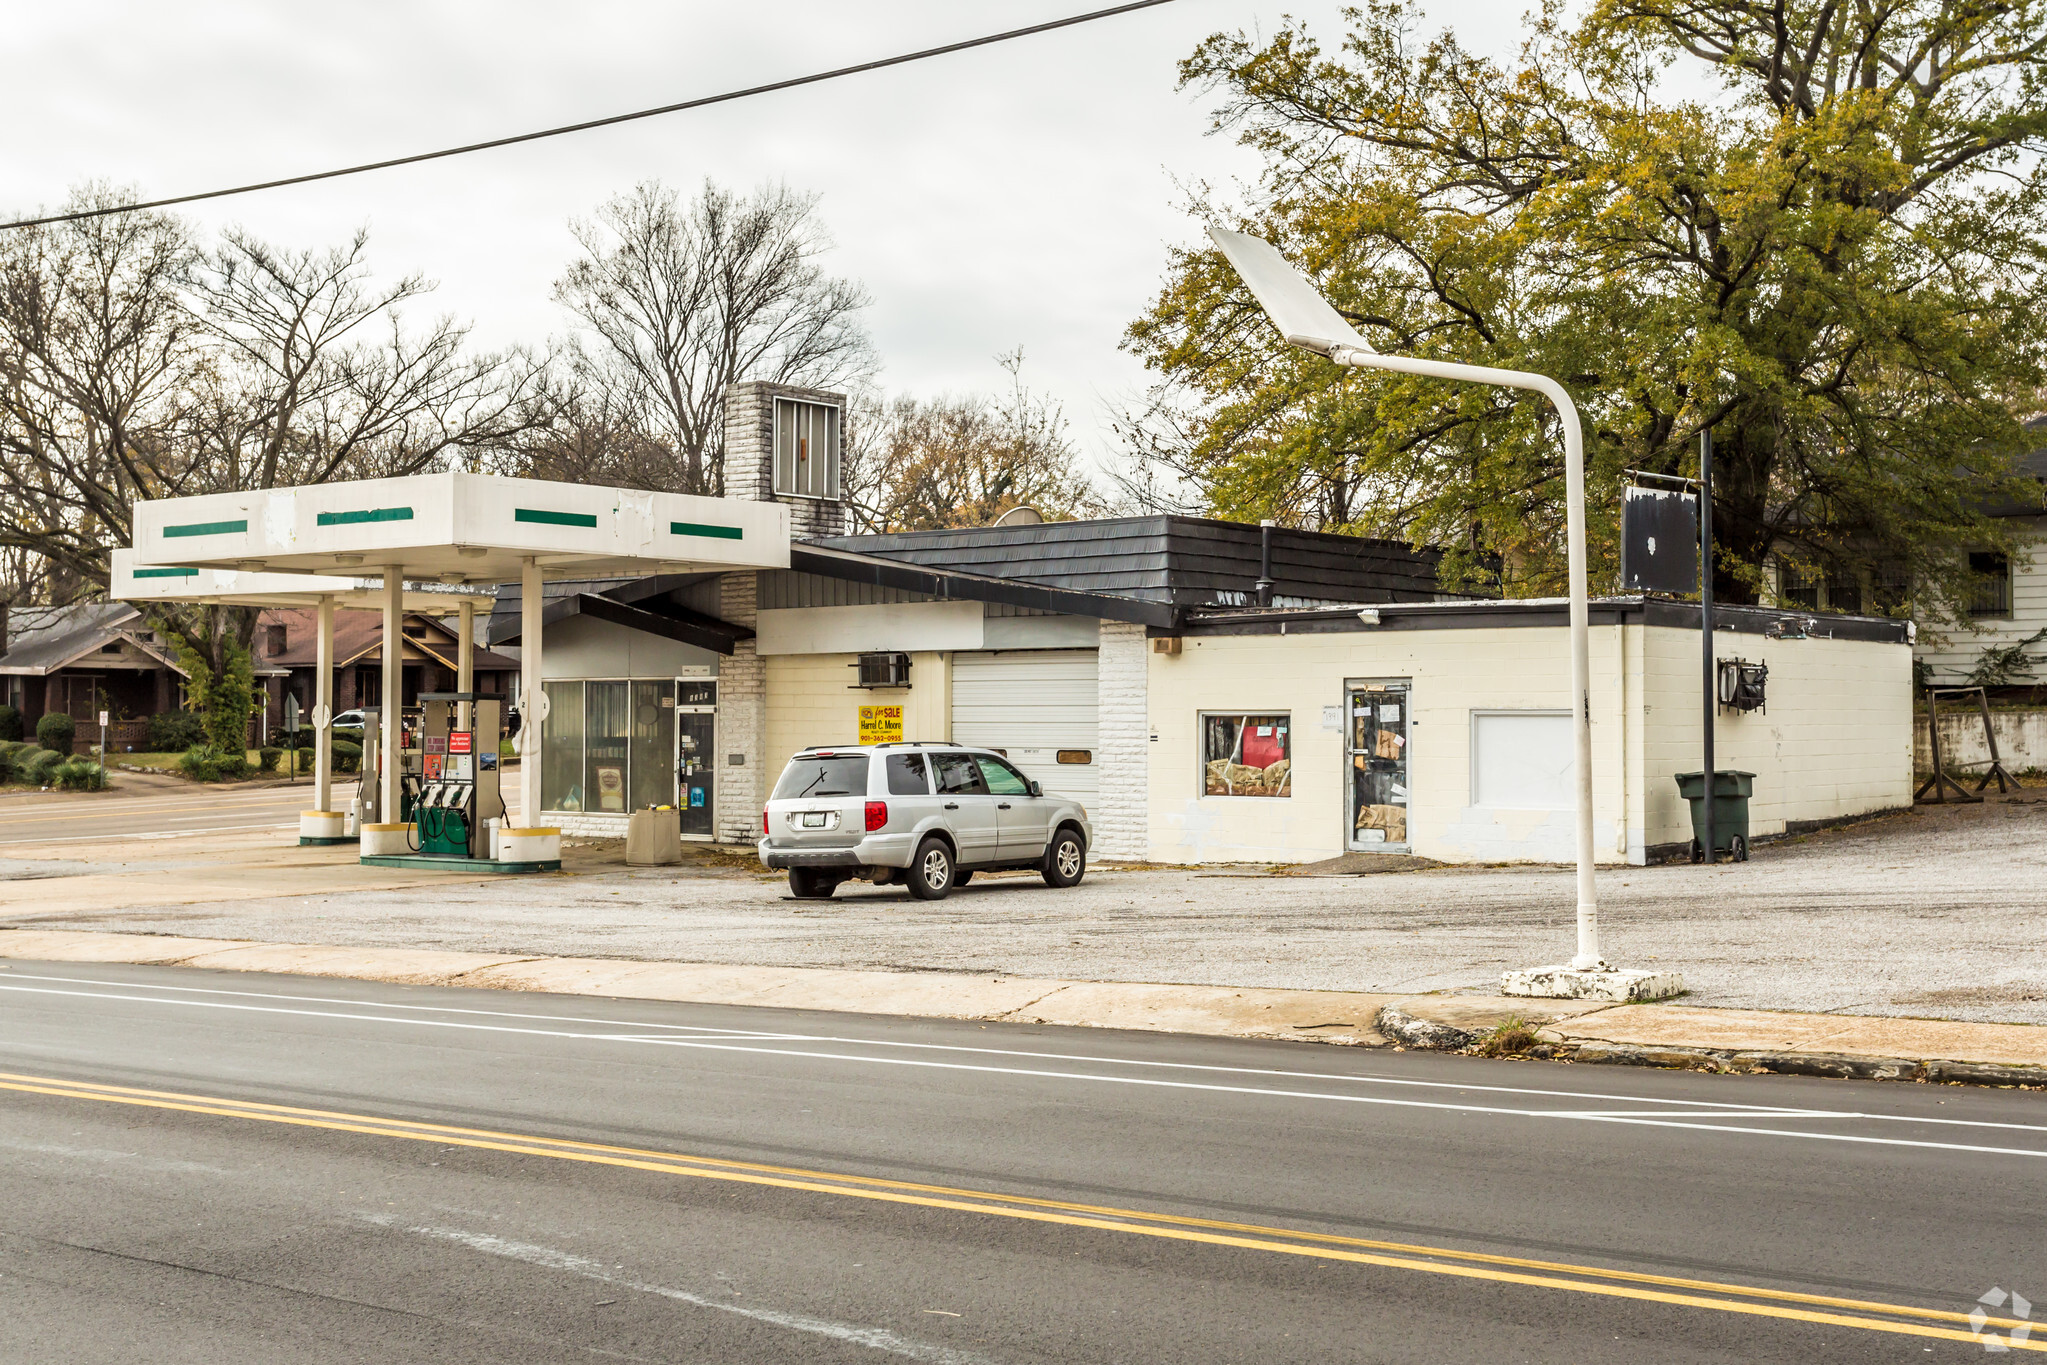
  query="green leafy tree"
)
[
  {"x": 225, "y": 698},
  {"x": 1831, "y": 256}
]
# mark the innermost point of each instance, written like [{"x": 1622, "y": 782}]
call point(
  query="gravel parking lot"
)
[{"x": 1933, "y": 912}]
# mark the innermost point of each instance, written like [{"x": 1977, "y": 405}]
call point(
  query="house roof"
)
[
  {"x": 1173, "y": 560},
  {"x": 43, "y": 640},
  {"x": 2031, "y": 465},
  {"x": 360, "y": 634}
]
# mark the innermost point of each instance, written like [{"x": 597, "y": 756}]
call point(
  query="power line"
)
[{"x": 566, "y": 128}]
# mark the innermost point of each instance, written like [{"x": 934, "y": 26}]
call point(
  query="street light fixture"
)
[{"x": 1307, "y": 320}]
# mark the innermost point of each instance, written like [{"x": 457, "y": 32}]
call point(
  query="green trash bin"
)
[{"x": 1731, "y": 791}]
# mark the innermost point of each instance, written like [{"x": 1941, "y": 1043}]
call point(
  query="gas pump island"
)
[
  {"x": 448, "y": 775},
  {"x": 459, "y": 531}
]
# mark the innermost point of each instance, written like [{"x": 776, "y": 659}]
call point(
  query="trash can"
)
[{"x": 1731, "y": 791}]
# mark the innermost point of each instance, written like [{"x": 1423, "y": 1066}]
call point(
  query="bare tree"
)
[
  {"x": 320, "y": 379},
  {"x": 962, "y": 461},
  {"x": 677, "y": 302},
  {"x": 98, "y": 353}
]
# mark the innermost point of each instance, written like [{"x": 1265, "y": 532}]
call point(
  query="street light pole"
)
[{"x": 1307, "y": 320}]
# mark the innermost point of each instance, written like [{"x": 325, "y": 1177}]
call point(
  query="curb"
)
[{"x": 1426, "y": 1035}]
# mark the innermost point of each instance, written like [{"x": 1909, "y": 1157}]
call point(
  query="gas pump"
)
[{"x": 458, "y": 773}]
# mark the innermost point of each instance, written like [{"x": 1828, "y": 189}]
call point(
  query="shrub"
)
[
  {"x": 347, "y": 756},
  {"x": 56, "y": 731},
  {"x": 10, "y": 771},
  {"x": 80, "y": 775},
  {"x": 201, "y": 764},
  {"x": 235, "y": 766},
  {"x": 173, "y": 731},
  {"x": 10, "y": 723},
  {"x": 305, "y": 760},
  {"x": 41, "y": 770},
  {"x": 267, "y": 756}
]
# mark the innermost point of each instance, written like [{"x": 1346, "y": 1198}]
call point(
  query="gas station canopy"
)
[
  {"x": 459, "y": 528},
  {"x": 131, "y": 581}
]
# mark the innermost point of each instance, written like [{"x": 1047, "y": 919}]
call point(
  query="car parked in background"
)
[{"x": 926, "y": 815}]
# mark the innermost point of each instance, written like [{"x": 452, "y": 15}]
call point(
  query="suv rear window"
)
[{"x": 838, "y": 775}]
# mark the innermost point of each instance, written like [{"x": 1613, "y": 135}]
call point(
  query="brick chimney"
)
[{"x": 783, "y": 444}]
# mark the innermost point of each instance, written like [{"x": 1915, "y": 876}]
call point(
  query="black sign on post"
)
[{"x": 1659, "y": 541}]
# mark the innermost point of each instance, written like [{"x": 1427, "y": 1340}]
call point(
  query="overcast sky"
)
[{"x": 1022, "y": 194}]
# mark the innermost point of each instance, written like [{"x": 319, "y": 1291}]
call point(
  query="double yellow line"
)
[{"x": 1861, "y": 1314}]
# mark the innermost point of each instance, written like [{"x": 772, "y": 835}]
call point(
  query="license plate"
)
[{"x": 815, "y": 819}]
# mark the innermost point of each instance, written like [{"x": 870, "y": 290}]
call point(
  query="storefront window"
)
[
  {"x": 1247, "y": 755},
  {"x": 561, "y": 743},
  {"x": 606, "y": 736}
]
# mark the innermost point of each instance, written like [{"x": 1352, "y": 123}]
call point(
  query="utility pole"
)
[{"x": 1711, "y": 698}]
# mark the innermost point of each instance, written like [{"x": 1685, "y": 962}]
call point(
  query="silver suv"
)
[{"x": 926, "y": 815}]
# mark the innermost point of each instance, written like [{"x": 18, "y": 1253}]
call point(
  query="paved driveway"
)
[{"x": 1933, "y": 912}]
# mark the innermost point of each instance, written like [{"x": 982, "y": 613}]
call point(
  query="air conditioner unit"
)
[
  {"x": 1742, "y": 684},
  {"x": 884, "y": 670}
]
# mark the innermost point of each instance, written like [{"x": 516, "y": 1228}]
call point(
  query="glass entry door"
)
[
  {"x": 696, "y": 753},
  {"x": 1376, "y": 716}
]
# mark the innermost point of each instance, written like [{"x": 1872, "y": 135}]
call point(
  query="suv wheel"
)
[
  {"x": 929, "y": 875},
  {"x": 1065, "y": 860},
  {"x": 810, "y": 883}
]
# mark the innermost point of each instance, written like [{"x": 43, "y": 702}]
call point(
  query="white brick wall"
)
[
  {"x": 742, "y": 719},
  {"x": 1123, "y": 736},
  {"x": 585, "y": 824}
]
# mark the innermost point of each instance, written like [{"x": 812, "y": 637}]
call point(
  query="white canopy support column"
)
[
  {"x": 323, "y": 823},
  {"x": 391, "y": 723},
  {"x": 532, "y": 703},
  {"x": 465, "y": 663}
]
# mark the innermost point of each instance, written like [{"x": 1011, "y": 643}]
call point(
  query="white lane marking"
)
[
  {"x": 1707, "y": 1108},
  {"x": 1734, "y": 1108},
  {"x": 711, "y": 1045},
  {"x": 874, "y": 1338}
]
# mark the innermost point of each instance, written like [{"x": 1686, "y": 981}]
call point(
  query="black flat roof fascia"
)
[
  {"x": 947, "y": 585},
  {"x": 1165, "y": 558},
  {"x": 676, "y": 623},
  {"x": 1550, "y": 613}
]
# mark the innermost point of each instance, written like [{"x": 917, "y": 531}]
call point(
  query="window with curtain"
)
[
  {"x": 607, "y": 738},
  {"x": 561, "y": 740}
]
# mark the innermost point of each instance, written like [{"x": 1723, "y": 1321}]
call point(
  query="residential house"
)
[
  {"x": 83, "y": 659},
  {"x": 287, "y": 643}
]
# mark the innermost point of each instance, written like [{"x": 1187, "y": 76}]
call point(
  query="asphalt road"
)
[
  {"x": 140, "y": 808},
  {"x": 225, "y": 1167}
]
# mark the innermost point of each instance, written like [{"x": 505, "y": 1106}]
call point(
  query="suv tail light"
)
[
  {"x": 877, "y": 815},
  {"x": 764, "y": 823}
]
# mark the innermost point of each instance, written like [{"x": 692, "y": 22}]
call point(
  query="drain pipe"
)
[{"x": 1263, "y": 588}]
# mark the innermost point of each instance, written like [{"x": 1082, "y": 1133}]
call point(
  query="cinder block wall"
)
[{"x": 1123, "y": 743}]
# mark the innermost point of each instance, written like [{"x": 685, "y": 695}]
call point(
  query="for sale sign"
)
[{"x": 881, "y": 725}]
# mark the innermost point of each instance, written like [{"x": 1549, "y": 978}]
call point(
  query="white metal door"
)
[{"x": 1038, "y": 707}]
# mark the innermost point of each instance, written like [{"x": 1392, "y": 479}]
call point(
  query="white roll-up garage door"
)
[{"x": 1037, "y": 706}]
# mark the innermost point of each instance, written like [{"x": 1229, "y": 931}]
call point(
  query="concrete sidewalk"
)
[{"x": 1581, "y": 1031}]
